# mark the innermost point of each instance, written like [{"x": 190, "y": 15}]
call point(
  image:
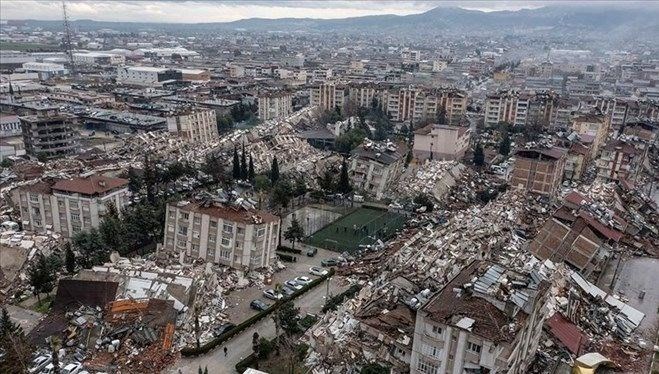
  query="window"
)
[
  {"x": 240, "y": 231},
  {"x": 185, "y": 215},
  {"x": 473, "y": 347},
  {"x": 195, "y": 234},
  {"x": 427, "y": 367},
  {"x": 213, "y": 224},
  {"x": 226, "y": 242},
  {"x": 75, "y": 217},
  {"x": 170, "y": 228},
  {"x": 431, "y": 350},
  {"x": 436, "y": 330},
  {"x": 225, "y": 254},
  {"x": 239, "y": 244},
  {"x": 211, "y": 238},
  {"x": 34, "y": 198},
  {"x": 260, "y": 232},
  {"x": 182, "y": 230},
  {"x": 180, "y": 243},
  {"x": 228, "y": 228}
]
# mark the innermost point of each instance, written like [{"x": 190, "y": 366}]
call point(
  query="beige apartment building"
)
[
  {"x": 195, "y": 125},
  {"x": 229, "y": 235},
  {"x": 441, "y": 142},
  {"x": 275, "y": 105},
  {"x": 328, "y": 95},
  {"x": 593, "y": 129},
  {"x": 69, "y": 206},
  {"x": 478, "y": 323},
  {"x": 507, "y": 106},
  {"x": 416, "y": 104},
  {"x": 374, "y": 166},
  {"x": 539, "y": 170},
  {"x": 619, "y": 160}
]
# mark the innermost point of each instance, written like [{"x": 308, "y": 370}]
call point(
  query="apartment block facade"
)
[
  {"x": 441, "y": 142},
  {"x": 69, "y": 206},
  {"x": 477, "y": 324},
  {"x": 593, "y": 128},
  {"x": 328, "y": 95},
  {"x": 229, "y": 235},
  {"x": 196, "y": 125},
  {"x": 274, "y": 105},
  {"x": 619, "y": 160},
  {"x": 539, "y": 171},
  {"x": 375, "y": 166},
  {"x": 49, "y": 136}
]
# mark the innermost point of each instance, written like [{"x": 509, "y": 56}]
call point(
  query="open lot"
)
[{"x": 361, "y": 227}]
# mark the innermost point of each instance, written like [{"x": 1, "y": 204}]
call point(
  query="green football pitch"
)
[{"x": 360, "y": 227}]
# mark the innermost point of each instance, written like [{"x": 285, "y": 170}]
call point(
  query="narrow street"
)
[{"x": 241, "y": 346}]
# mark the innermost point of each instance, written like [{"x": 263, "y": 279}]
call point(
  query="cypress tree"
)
[
  {"x": 236, "y": 164},
  {"x": 250, "y": 173},
  {"x": 274, "y": 171},
  {"x": 479, "y": 156},
  {"x": 344, "y": 181},
  {"x": 243, "y": 165}
]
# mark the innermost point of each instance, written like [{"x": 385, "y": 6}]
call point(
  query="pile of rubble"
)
[{"x": 434, "y": 178}]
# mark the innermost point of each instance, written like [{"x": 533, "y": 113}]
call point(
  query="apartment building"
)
[
  {"x": 441, "y": 142},
  {"x": 328, "y": 95},
  {"x": 507, "y": 106},
  {"x": 235, "y": 236},
  {"x": 68, "y": 206},
  {"x": 147, "y": 76},
  {"x": 415, "y": 104},
  {"x": 374, "y": 166},
  {"x": 593, "y": 129},
  {"x": 619, "y": 160},
  {"x": 363, "y": 94},
  {"x": 478, "y": 323},
  {"x": 624, "y": 110},
  {"x": 195, "y": 125},
  {"x": 273, "y": 105},
  {"x": 539, "y": 170},
  {"x": 81, "y": 97},
  {"x": 10, "y": 125},
  {"x": 49, "y": 136}
]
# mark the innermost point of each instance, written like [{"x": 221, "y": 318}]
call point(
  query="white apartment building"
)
[
  {"x": 441, "y": 142},
  {"x": 197, "y": 125},
  {"x": 417, "y": 104},
  {"x": 375, "y": 166},
  {"x": 363, "y": 94},
  {"x": 69, "y": 206},
  {"x": 10, "y": 125},
  {"x": 146, "y": 75},
  {"x": 478, "y": 323},
  {"x": 327, "y": 96},
  {"x": 229, "y": 235},
  {"x": 274, "y": 105},
  {"x": 507, "y": 107}
]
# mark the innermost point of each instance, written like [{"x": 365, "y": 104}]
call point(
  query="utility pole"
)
[{"x": 67, "y": 39}]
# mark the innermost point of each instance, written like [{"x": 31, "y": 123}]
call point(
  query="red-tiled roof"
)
[
  {"x": 609, "y": 233},
  {"x": 569, "y": 334},
  {"x": 92, "y": 185}
]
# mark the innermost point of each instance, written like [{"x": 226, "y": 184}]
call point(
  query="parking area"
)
[{"x": 238, "y": 301}]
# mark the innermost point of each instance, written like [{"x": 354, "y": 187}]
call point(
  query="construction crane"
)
[{"x": 67, "y": 39}]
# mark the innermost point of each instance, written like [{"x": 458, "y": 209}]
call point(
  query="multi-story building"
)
[
  {"x": 10, "y": 125},
  {"x": 49, "y": 136},
  {"x": 69, "y": 206},
  {"x": 619, "y": 160},
  {"x": 147, "y": 76},
  {"x": 441, "y": 142},
  {"x": 592, "y": 128},
  {"x": 327, "y": 95},
  {"x": 272, "y": 105},
  {"x": 81, "y": 97},
  {"x": 195, "y": 125},
  {"x": 539, "y": 170},
  {"x": 374, "y": 166},
  {"x": 416, "y": 104},
  {"x": 506, "y": 106},
  {"x": 362, "y": 94},
  {"x": 98, "y": 58},
  {"x": 478, "y": 323},
  {"x": 235, "y": 236},
  {"x": 45, "y": 70}
]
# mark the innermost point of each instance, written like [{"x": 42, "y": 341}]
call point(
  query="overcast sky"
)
[{"x": 222, "y": 11}]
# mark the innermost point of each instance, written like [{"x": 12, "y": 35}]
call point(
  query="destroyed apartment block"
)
[
  {"x": 435, "y": 178},
  {"x": 375, "y": 166}
]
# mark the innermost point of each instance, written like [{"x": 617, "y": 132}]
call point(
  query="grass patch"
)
[
  {"x": 361, "y": 227},
  {"x": 37, "y": 47},
  {"x": 43, "y": 306}
]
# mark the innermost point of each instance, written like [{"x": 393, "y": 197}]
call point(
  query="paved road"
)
[
  {"x": 241, "y": 346},
  {"x": 28, "y": 319}
]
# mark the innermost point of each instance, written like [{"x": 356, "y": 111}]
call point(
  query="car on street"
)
[
  {"x": 312, "y": 252},
  {"x": 272, "y": 295},
  {"x": 73, "y": 368},
  {"x": 293, "y": 284},
  {"x": 221, "y": 329},
  {"x": 302, "y": 280},
  {"x": 287, "y": 291},
  {"x": 315, "y": 270},
  {"x": 258, "y": 305},
  {"x": 329, "y": 262}
]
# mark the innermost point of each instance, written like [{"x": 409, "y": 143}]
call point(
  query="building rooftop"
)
[
  {"x": 92, "y": 185},
  {"x": 487, "y": 300},
  {"x": 227, "y": 212}
]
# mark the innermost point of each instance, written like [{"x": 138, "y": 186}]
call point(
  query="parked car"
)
[
  {"x": 39, "y": 363},
  {"x": 258, "y": 305},
  {"x": 312, "y": 252},
  {"x": 272, "y": 295},
  {"x": 73, "y": 368},
  {"x": 221, "y": 329},
  {"x": 315, "y": 270},
  {"x": 302, "y": 280},
  {"x": 287, "y": 291},
  {"x": 293, "y": 284},
  {"x": 329, "y": 262}
]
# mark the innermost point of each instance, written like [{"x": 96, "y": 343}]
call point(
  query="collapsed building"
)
[{"x": 375, "y": 166}]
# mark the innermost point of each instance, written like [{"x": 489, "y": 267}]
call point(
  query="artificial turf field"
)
[{"x": 362, "y": 226}]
